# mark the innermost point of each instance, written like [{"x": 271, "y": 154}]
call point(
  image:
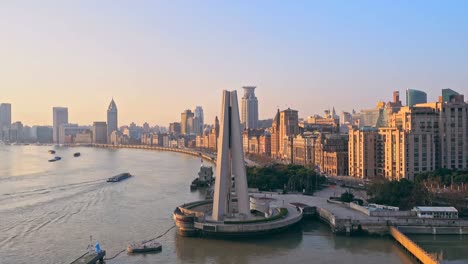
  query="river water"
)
[{"x": 48, "y": 210}]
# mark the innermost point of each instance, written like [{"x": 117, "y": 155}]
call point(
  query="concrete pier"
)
[{"x": 412, "y": 247}]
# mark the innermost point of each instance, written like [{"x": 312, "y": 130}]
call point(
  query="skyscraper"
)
[
  {"x": 5, "y": 116},
  {"x": 112, "y": 119},
  {"x": 186, "y": 122},
  {"x": 449, "y": 95},
  {"x": 249, "y": 117},
  {"x": 200, "y": 120},
  {"x": 60, "y": 118},
  {"x": 415, "y": 97}
]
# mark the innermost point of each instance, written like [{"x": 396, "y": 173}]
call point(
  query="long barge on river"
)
[{"x": 119, "y": 177}]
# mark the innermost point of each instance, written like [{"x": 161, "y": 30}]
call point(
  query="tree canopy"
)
[
  {"x": 403, "y": 194},
  {"x": 443, "y": 176},
  {"x": 285, "y": 177}
]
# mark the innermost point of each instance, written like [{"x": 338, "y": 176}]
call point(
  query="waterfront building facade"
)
[
  {"x": 363, "y": 154},
  {"x": 265, "y": 144},
  {"x": 251, "y": 140},
  {"x": 274, "y": 132},
  {"x": 417, "y": 139},
  {"x": 288, "y": 128},
  {"x": 68, "y": 134}
]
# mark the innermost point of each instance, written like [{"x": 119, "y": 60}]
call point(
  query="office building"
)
[
  {"x": 16, "y": 132},
  {"x": 100, "y": 133},
  {"x": 414, "y": 97},
  {"x": 73, "y": 133},
  {"x": 249, "y": 116},
  {"x": 186, "y": 122},
  {"x": 44, "y": 134},
  {"x": 5, "y": 116},
  {"x": 288, "y": 128},
  {"x": 199, "y": 122},
  {"x": 174, "y": 128},
  {"x": 60, "y": 116},
  {"x": 449, "y": 95}
]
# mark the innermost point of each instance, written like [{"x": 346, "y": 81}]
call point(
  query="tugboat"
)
[
  {"x": 144, "y": 247},
  {"x": 204, "y": 179},
  {"x": 119, "y": 177},
  {"x": 77, "y": 154}
]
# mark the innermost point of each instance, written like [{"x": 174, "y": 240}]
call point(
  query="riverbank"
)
[
  {"x": 205, "y": 156},
  {"x": 193, "y": 152}
]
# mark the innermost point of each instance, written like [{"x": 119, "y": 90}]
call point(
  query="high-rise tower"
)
[
  {"x": 112, "y": 119},
  {"x": 186, "y": 122},
  {"x": 249, "y": 116},
  {"x": 200, "y": 123},
  {"x": 5, "y": 116},
  {"x": 60, "y": 118}
]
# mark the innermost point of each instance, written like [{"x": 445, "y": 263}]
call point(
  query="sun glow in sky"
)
[{"x": 157, "y": 58}]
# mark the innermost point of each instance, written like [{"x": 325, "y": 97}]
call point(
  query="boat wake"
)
[
  {"x": 41, "y": 191},
  {"x": 44, "y": 209}
]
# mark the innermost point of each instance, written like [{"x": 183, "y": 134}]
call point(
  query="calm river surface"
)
[{"x": 48, "y": 210}]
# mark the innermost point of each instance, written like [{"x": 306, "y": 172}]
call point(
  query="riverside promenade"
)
[
  {"x": 188, "y": 151},
  {"x": 343, "y": 219}
]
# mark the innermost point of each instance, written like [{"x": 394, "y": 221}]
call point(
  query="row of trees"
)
[
  {"x": 443, "y": 177},
  {"x": 404, "y": 194},
  {"x": 285, "y": 177}
]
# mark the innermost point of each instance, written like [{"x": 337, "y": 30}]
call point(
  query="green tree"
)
[
  {"x": 404, "y": 194},
  {"x": 347, "y": 197}
]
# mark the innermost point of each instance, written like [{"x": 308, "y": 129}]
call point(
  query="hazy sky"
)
[{"x": 157, "y": 58}]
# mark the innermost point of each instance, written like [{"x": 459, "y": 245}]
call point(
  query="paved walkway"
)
[{"x": 320, "y": 200}]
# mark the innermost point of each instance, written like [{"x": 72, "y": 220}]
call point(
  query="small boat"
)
[
  {"x": 52, "y": 151},
  {"x": 144, "y": 247},
  {"x": 77, "y": 154},
  {"x": 55, "y": 159},
  {"x": 120, "y": 177}
]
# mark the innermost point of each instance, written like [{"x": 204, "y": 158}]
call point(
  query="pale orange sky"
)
[{"x": 158, "y": 58}]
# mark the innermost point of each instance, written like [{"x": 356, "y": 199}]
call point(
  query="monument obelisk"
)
[{"x": 230, "y": 167}]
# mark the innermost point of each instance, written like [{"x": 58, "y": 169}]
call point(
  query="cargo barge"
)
[{"x": 119, "y": 177}]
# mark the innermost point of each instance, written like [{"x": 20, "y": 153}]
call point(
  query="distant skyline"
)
[{"x": 158, "y": 58}]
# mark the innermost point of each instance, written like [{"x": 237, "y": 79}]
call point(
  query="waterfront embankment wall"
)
[
  {"x": 205, "y": 156},
  {"x": 412, "y": 247}
]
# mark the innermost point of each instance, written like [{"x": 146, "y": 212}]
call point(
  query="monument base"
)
[{"x": 194, "y": 219}]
